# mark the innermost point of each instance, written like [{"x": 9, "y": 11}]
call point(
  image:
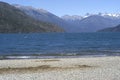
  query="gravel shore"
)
[{"x": 94, "y": 68}]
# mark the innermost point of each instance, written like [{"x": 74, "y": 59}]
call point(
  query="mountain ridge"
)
[
  {"x": 75, "y": 23},
  {"x": 111, "y": 29},
  {"x": 43, "y": 16},
  {"x": 13, "y": 20}
]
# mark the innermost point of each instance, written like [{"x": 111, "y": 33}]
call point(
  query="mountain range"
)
[
  {"x": 93, "y": 23},
  {"x": 75, "y": 23},
  {"x": 13, "y": 20},
  {"x": 43, "y": 15},
  {"x": 18, "y": 18}
]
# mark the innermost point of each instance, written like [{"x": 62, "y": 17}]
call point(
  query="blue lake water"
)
[{"x": 60, "y": 43}]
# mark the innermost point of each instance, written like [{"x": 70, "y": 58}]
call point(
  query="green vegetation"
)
[{"x": 12, "y": 20}]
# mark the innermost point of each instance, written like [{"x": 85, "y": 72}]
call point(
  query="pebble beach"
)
[{"x": 92, "y": 68}]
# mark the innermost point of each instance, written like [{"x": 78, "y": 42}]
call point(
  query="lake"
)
[{"x": 60, "y": 44}]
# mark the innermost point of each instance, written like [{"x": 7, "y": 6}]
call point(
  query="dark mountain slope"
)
[
  {"x": 43, "y": 15},
  {"x": 112, "y": 29},
  {"x": 13, "y": 20}
]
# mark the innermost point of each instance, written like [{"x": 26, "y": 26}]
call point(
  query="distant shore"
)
[{"x": 90, "y": 68}]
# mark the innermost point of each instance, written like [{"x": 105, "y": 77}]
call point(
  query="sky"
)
[{"x": 72, "y": 7}]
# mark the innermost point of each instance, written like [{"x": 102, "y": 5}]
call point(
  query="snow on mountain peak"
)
[
  {"x": 78, "y": 17},
  {"x": 42, "y": 10},
  {"x": 111, "y": 15},
  {"x": 73, "y": 17},
  {"x": 30, "y": 7}
]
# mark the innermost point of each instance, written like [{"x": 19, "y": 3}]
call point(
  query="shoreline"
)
[{"x": 12, "y": 57}]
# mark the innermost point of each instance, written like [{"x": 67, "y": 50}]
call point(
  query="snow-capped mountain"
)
[
  {"x": 43, "y": 15},
  {"x": 108, "y": 15},
  {"x": 96, "y": 22},
  {"x": 93, "y": 22},
  {"x": 78, "y": 17},
  {"x": 74, "y": 23},
  {"x": 111, "y": 15}
]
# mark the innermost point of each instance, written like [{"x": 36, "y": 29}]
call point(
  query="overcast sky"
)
[{"x": 72, "y": 7}]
